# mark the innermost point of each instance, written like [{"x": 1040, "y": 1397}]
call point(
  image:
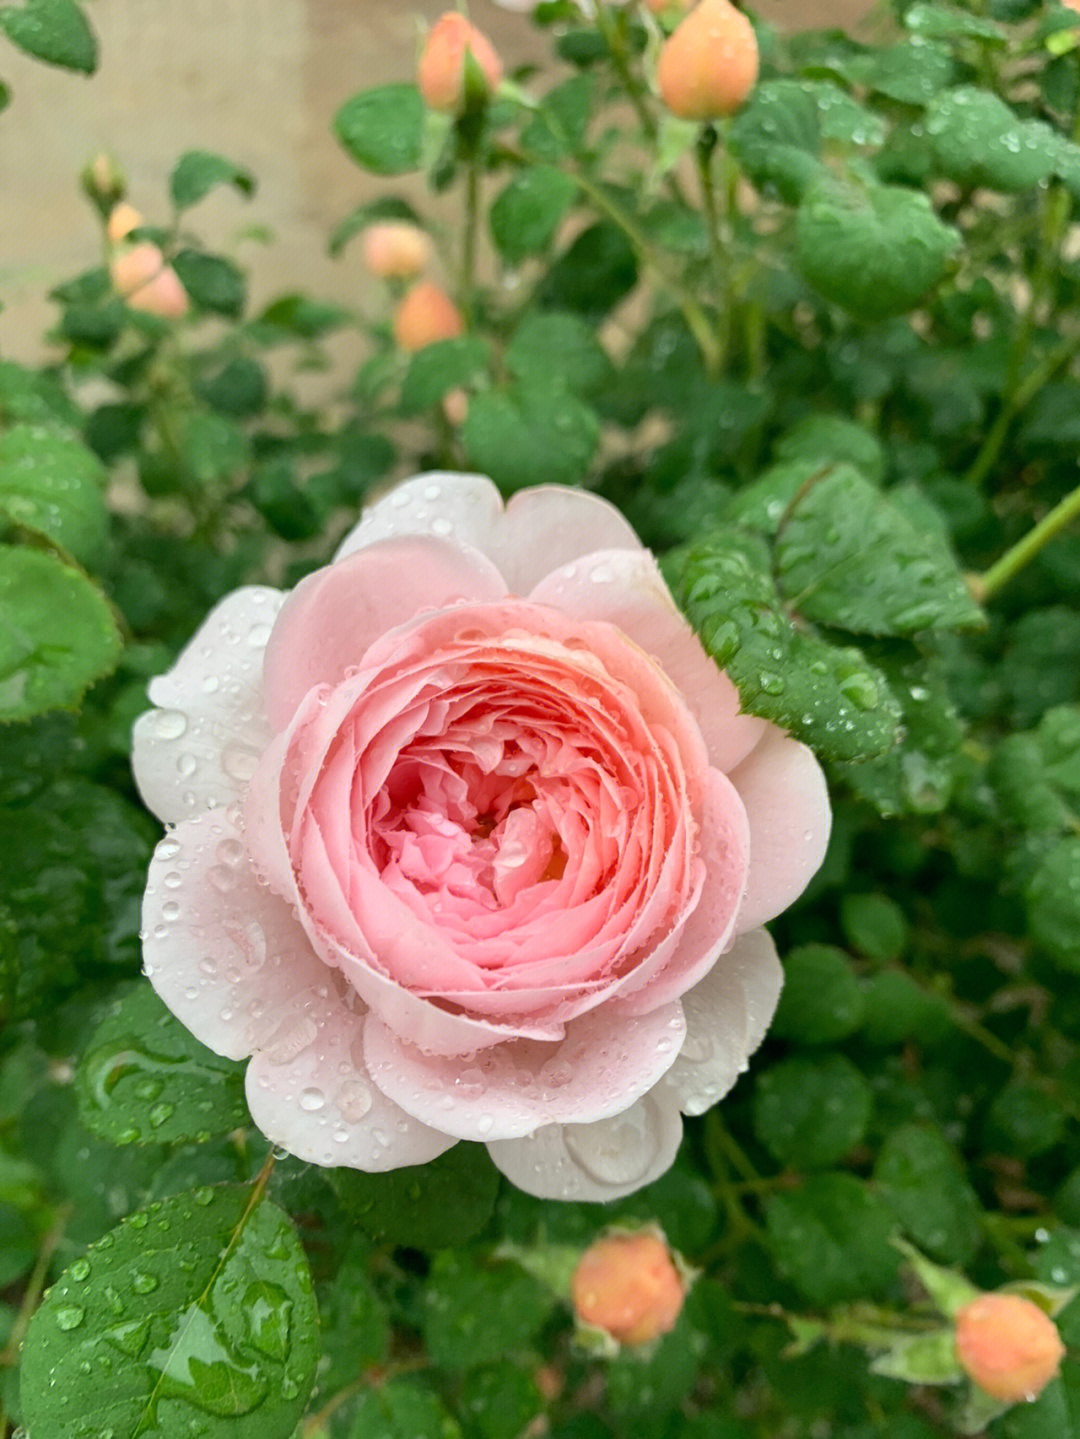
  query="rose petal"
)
[
  {"x": 465, "y": 507},
  {"x": 727, "y": 1015},
  {"x": 540, "y": 529},
  {"x": 625, "y": 588},
  {"x": 601, "y": 1067},
  {"x": 726, "y": 848},
  {"x": 787, "y": 805},
  {"x": 224, "y": 952},
  {"x": 318, "y": 1101},
  {"x": 199, "y": 748},
  {"x": 548, "y": 526},
  {"x": 332, "y": 617},
  {"x": 600, "y": 1161}
]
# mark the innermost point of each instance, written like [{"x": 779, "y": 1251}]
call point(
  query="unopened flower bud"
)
[
  {"x": 395, "y": 249},
  {"x": 441, "y": 74},
  {"x": 426, "y": 314},
  {"x": 123, "y": 218},
  {"x": 1008, "y": 1345},
  {"x": 658, "y": 7},
  {"x": 103, "y": 182},
  {"x": 455, "y": 406},
  {"x": 145, "y": 282},
  {"x": 628, "y": 1286},
  {"x": 709, "y": 63}
]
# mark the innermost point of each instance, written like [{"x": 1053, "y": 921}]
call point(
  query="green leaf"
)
[
  {"x": 55, "y": 31},
  {"x": 239, "y": 388},
  {"x": 145, "y": 1079},
  {"x": 531, "y": 434},
  {"x": 498, "y": 1400},
  {"x": 562, "y": 346},
  {"x": 401, "y": 1409},
  {"x": 383, "y": 128},
  {"x": 54, "y": 485},
  {"x": 34, "y": 397},
  {"x": 831, "y": 1239},
  {"x": 57, "y": 633},
  {"x": 212, "y": 282},
  {"x": 847, "y": 556},
  {"x": 428, "y": 1206},
  {"x": 476, "y": 1313},
  {"x": 441, "y": 367},
  {"x": 1053, "y": 903},
  {"x": 943, "y": 22},
  {"x": 978, "y": 140},
  {"x": 925, "y": 1188},
  {"x": 913, "y": 72},
  {"x": 196, "y": 1315},
  {"x": 1024, "y": 1120},
  {"x": 809, "y": 1113},
  {"x": 559, "y": 127},
  {"x": 776, "y": 137},
  {"x": 833, "y": 440},
  {"x": 214, "y": 448},
  {"x": 528, "y": 211},
  {"x": 822, "y": 1000},
  {"x": 918, "y": 776},
  {"x": 654, "y": 1380},
  {"x": 897, "y": 1009},
  {"x": 874, "y": 250},
  {"x": 198, "y": 172},
  {"x": 597, "y": 270},
  {"x": 832, "y": 699},
  {"x": 353, "y": 1323},
  {"x": 874, "y": 925},
  {"x": 1037, "y": 776}
]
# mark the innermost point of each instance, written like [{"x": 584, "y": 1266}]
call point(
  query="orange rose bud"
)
[
  {"x": 145, "y": 282},
  {"x": 123, "y": 218},
  {"x": 394, "y": 249},
  {"x": 441, "y": 73},
  {"x": 709, "y": 63},
  {"x": 426, "y": 314},
  {"x": 628, "y": 1286},
  {"x": 1008, "y": 1345}
]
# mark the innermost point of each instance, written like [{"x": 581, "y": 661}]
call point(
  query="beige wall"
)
[{"x": 257, "y": 80}]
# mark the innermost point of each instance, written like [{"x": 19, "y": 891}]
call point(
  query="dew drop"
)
[
  {"x": 70, "y": 1316},
  {"x": 170, "y": 724},
  {"x": 311, "y": 1100},
  {"x": 353, "y": 1100}
]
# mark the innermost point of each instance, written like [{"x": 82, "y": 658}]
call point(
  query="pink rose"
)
[{"x": 469, "y": 840}]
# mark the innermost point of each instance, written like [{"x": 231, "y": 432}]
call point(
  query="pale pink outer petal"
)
[
  {"x": 539, "y": 530},
  {"x": 199, "y": 747},
  {"x": 601, "y": 1161},
  {"x": 466, "y": 508},
  {"x": 727, "y": 1015},
  {"x": 331, "y": 618},
  {"x": 317, "y": 1100},
  {"x": 223, "y": 951},
  {"x": 549, "y": 526},
  {"x": 601, "y": 1067},
  {"x": 787, "y": 803},
  {"x": 625, "y": 588}
]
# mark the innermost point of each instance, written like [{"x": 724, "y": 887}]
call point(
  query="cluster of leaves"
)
[{"x": 825, "y": 357}]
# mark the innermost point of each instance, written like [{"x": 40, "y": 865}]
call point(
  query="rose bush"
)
[{"x": 469, "y": 840}]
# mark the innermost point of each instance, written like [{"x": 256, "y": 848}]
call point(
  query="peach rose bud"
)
[
  {"x": 394, "y": 250},
  {"x": 145, "y": 282},
  {"x": 455, "y": 406},
  {"x": 1008, "y": 1345},
  {"x": 441, "y": 73},
  {"x": 426, "y": 314},
  {"x": 103, "y": 182},
  {"x": 123, "y": 218},
  {"x": 709, "y": 63},
  {"x": 628, "y": 1286}
]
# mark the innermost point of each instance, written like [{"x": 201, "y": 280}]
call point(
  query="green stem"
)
[
  {"x": 1021, "y": 396},
  {"x": 694, "y": 315},
  {"x": 718, "y": 265},
  {"x": 1013, "y": 561},
  {"x": 468, "y": 240},
  {"x": 635, "y": 91}
]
